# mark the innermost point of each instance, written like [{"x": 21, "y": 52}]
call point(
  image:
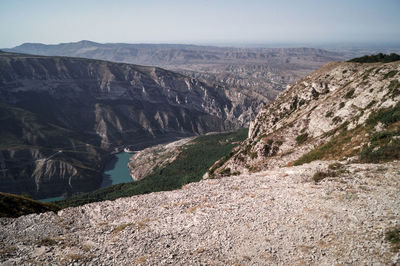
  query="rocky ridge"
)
[
  {"x": 144, "y": 162},
  {"x": 335, "y": 106},
  {"x": 273, "y": 217},
  {"x": 256, "y": 71}
]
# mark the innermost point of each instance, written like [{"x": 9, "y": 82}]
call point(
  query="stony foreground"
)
[{"x": 275, "y": 217}]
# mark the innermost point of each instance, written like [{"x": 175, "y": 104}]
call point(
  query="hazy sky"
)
[{"x": 199, "y": 21}]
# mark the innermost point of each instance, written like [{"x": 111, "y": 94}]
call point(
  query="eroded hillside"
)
[{"x": 342, "y": 110}]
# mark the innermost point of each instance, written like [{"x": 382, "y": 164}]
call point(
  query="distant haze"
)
[{"x": 250, "y": 22}]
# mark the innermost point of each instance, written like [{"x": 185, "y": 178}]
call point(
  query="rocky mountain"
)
[
  {"x": 264, "y": 71},
  {"x": 60, "y": 117},
  {"x": 342, "y": 111}
]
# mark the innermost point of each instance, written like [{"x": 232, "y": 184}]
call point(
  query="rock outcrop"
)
[{"x": 144, "y": 162}]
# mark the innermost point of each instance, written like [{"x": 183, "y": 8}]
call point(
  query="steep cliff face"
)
[
  {"x": 116, "y": 93},
  {"x": 342, "y": 110},
  {"x": 87, "y": 107},
  {"x": 43, "y": 159}
]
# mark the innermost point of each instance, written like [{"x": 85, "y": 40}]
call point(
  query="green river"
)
[{"x": 117, "y": 171}]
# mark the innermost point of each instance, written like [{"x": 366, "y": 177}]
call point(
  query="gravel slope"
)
[{"x": 274, "y": 217}]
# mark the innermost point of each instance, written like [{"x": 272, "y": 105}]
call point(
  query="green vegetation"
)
[
  {"x": 337, "y": 119},
  {"x": 383, "y": 58},
  {"x": 366, "y": 74},
  {"x": 191, "y": 164},
  {"x": 226, "y": 172},
  {"x": 394, "y": 88},
  {"x": 329, "y": 114},
  {"x": 393, "y": 236},
  {"x": 15, "y": 205},
  {"x": 332, "y": 149},
  {"x": 386, "y": 116},
  {"x": 46, "y": 242},
  {"x": 336, "y": 166},
  {"x": 372, "y": 103},
  {"x": 334, "y": 170},
  {"x": 383, "y": 146},
  {"x": 390, "y": 74},
  {"x": 300, "y": 139},
  {"x": 320, "y": 175},
  {"x": 349, "y": 94}
]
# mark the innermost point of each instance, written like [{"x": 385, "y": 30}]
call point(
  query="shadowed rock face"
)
[{"x": 87, "y": 107}]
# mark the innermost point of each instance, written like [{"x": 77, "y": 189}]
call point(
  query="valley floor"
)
[{"x": 274, "y": 217}]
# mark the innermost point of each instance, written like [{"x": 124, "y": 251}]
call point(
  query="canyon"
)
[{"x": 62, "y": 117}]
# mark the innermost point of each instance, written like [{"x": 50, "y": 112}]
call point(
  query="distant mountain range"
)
[{"x": 265, "y": 71}]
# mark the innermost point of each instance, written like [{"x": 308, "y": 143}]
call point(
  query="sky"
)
[{"x": 200, "y": 21}]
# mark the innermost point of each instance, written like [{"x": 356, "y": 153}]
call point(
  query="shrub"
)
[
  {"x": 318, "y": 176},
  {"x": 226, "y": 171},
  {"x": 120, "y": 228},
  {"x": 394, "y": 88},
  {"x": 300, "y": 139},
  {"x": 335, "y": 166},
  {"x": 366, "y": 74},
  {"x": 331, "y": 149},
  {"x": 390, "y": 74},
  {"x": 349, "y": 94},
  {"x": 46, "y": 242},
  {"x": 336, "y": 119},
  {"x": 381, "y": 152},
  {"x": 386, "y": 116},
  {"x": 393, "y": 236},
  {"x": 253, "y": 155},
  {"x": 8, "y": 250},
  {"x": 372, "y": 103}
]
